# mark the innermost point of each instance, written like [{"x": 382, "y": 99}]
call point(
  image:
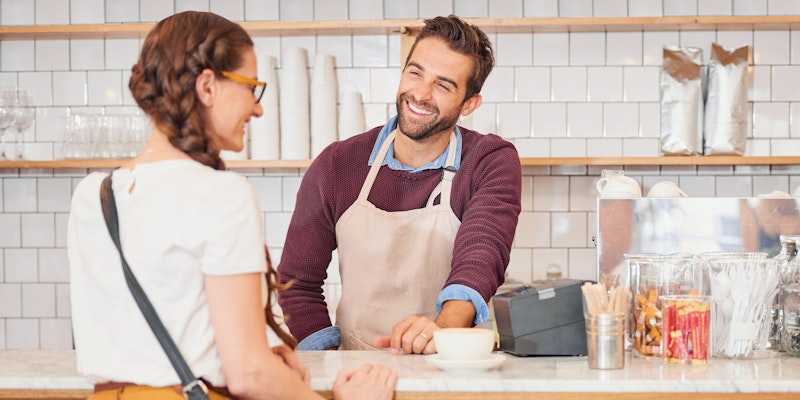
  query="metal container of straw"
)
[
  {"x": 605, "y": 341},
  {"x": 605, "y": 312}
]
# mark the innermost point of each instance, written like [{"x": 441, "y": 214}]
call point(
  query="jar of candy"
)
[
  {"x": 686, "y": 328},
  {"x": 652, "y": 276}
]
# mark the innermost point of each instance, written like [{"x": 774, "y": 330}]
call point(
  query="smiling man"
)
[{"x": 421, "y": 211}]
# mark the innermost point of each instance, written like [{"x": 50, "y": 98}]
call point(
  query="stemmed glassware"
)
[
  {"x": 24, "y": 114},
  {"x": 86, "y": 136},
  {"x": 8, "y": 149}
]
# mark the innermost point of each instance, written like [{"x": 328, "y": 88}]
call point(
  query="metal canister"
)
[{"x": 605, "y": 342}]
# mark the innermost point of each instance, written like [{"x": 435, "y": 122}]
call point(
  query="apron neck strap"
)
[
  {"x": 444, "y": 187},
  {"x": 451, "y": 150},
  {"x": 447, "y": 175},
  {"x": 376, "y": 166}
]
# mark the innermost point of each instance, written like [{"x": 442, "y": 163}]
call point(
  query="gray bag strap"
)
[{"x": 193, "y": 388}]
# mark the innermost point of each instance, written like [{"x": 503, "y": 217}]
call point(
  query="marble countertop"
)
[{"x": 767, "y": 373}]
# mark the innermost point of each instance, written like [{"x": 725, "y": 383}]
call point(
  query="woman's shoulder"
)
[
  {"x": 225, "y": 185},
  {"x": 223, "y": 190},
  {"x": 87, "y": 192},
  {"x": 194, "y": 179}
]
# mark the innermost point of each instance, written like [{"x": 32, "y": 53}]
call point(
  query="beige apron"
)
[{"x": 392, "y": 264}]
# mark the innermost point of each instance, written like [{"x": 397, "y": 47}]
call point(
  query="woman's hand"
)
[
  {"x": 369, "y": 382},
  {"x": 289, "y": 358}
]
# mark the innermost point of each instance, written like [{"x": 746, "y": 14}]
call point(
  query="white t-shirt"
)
[{"x": 181, "y": 221}]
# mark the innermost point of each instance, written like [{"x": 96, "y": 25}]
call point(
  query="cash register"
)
[{"x": 543, "y": 318}]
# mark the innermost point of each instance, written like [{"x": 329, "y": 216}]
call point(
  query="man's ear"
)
[
  {"x": 471, "y": 104},
  {"x": 205, "y": 87}
]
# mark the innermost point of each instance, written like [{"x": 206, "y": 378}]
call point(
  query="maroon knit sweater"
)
[{"x": 485, "y": 197}]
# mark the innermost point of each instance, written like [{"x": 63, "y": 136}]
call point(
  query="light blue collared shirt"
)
[
  {"x": 396, "y": 165},
  {"x": 330, "y": 337}
]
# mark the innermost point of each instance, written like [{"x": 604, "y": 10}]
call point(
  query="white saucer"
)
[{"x": 493, "y": 361}]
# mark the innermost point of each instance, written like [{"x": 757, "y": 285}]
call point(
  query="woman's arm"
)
[{"x": 251, "y": 369}]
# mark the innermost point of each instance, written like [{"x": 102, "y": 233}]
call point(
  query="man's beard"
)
[{"x": 419, "y": 132}]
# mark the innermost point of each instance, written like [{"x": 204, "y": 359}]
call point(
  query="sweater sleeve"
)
[
  {"x": 483, "y": 243},
  {"x": 310, "y": 242}
]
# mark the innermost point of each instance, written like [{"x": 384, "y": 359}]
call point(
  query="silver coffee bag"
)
[
  {"x": 681, "y": 101},
  {"x": 726, "y": 103}
]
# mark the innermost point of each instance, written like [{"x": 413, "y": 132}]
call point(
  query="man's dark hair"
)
[{"x": 465, "y": 39}]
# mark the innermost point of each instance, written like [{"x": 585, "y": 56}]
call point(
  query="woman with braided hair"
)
[{"x": 191, "y": 234}]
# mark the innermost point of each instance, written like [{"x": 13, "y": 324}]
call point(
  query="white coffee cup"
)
[
  {"x": 666, "y": 189},
  {"x": 464, "y": 343},
  {"x": 613, "y": 184}
]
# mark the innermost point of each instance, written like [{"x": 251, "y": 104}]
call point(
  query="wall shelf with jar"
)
[{"x": 408, "y": 27}]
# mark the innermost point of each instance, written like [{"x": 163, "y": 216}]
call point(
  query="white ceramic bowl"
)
[
  {"x": 464, "y": 343},
  {"x": 666, "y": 189}
]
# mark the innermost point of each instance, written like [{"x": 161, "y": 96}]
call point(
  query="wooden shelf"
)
[
  {"x": 672, "y": 160},
  {"x": 254, "y": 27},
  {"x": 401, "y": 25},
  {"x": 107, "y": 164},
  {"x": 595, "y": 24},
  {"x": 526, "y": 162}
]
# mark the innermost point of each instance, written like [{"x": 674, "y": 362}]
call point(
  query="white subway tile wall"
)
[
  {"x": 156, "y": 10},
  {"x": 587, "y": 48},
  {"x": 520, "y": 266},
  {"x": 645, "y": 8},
  {"x": 261, "y": 10},
  {"x": 122, "y": 11},
  {"x": 783, "y": 7},
  {"x": 52, "y": 55},
  {"x": 553, "y": 94},
  {"x": 610, "y": 8},
  {"x": 715, "y": 7},
  {"x": 680, "y": 7},
  {"x": 749, "y": 7},
  {"x": 544, "y": 258},
  {"x": 540, "y": 8},
  {"x": 604, "y": 83},
  {"x": 505, "y": 8},
  {"x": 17, "y": 12},
  {"x": 735, "y": 39}
]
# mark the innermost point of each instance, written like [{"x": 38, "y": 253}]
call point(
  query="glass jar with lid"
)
[
  {"x": 652, "y": 276},
  {"x": 790, "y": 335},
  {"x": 788, "y": 264}
]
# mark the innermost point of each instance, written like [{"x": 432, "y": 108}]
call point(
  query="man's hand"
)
[
  {"x": 413, "y": 335},
  {"x": 289, "y": 358}
]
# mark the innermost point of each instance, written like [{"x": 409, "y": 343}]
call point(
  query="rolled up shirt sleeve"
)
[
  {"x": 465, "y": 293},
  {"x": 323, "y": 339}
]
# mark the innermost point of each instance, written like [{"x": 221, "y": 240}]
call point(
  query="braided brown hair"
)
[{"x": 163, "y": 80}]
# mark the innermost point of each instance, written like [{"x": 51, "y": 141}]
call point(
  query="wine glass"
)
[
  {"x": 24, "y": 115},
  {"x": 7, "y": 147}
]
